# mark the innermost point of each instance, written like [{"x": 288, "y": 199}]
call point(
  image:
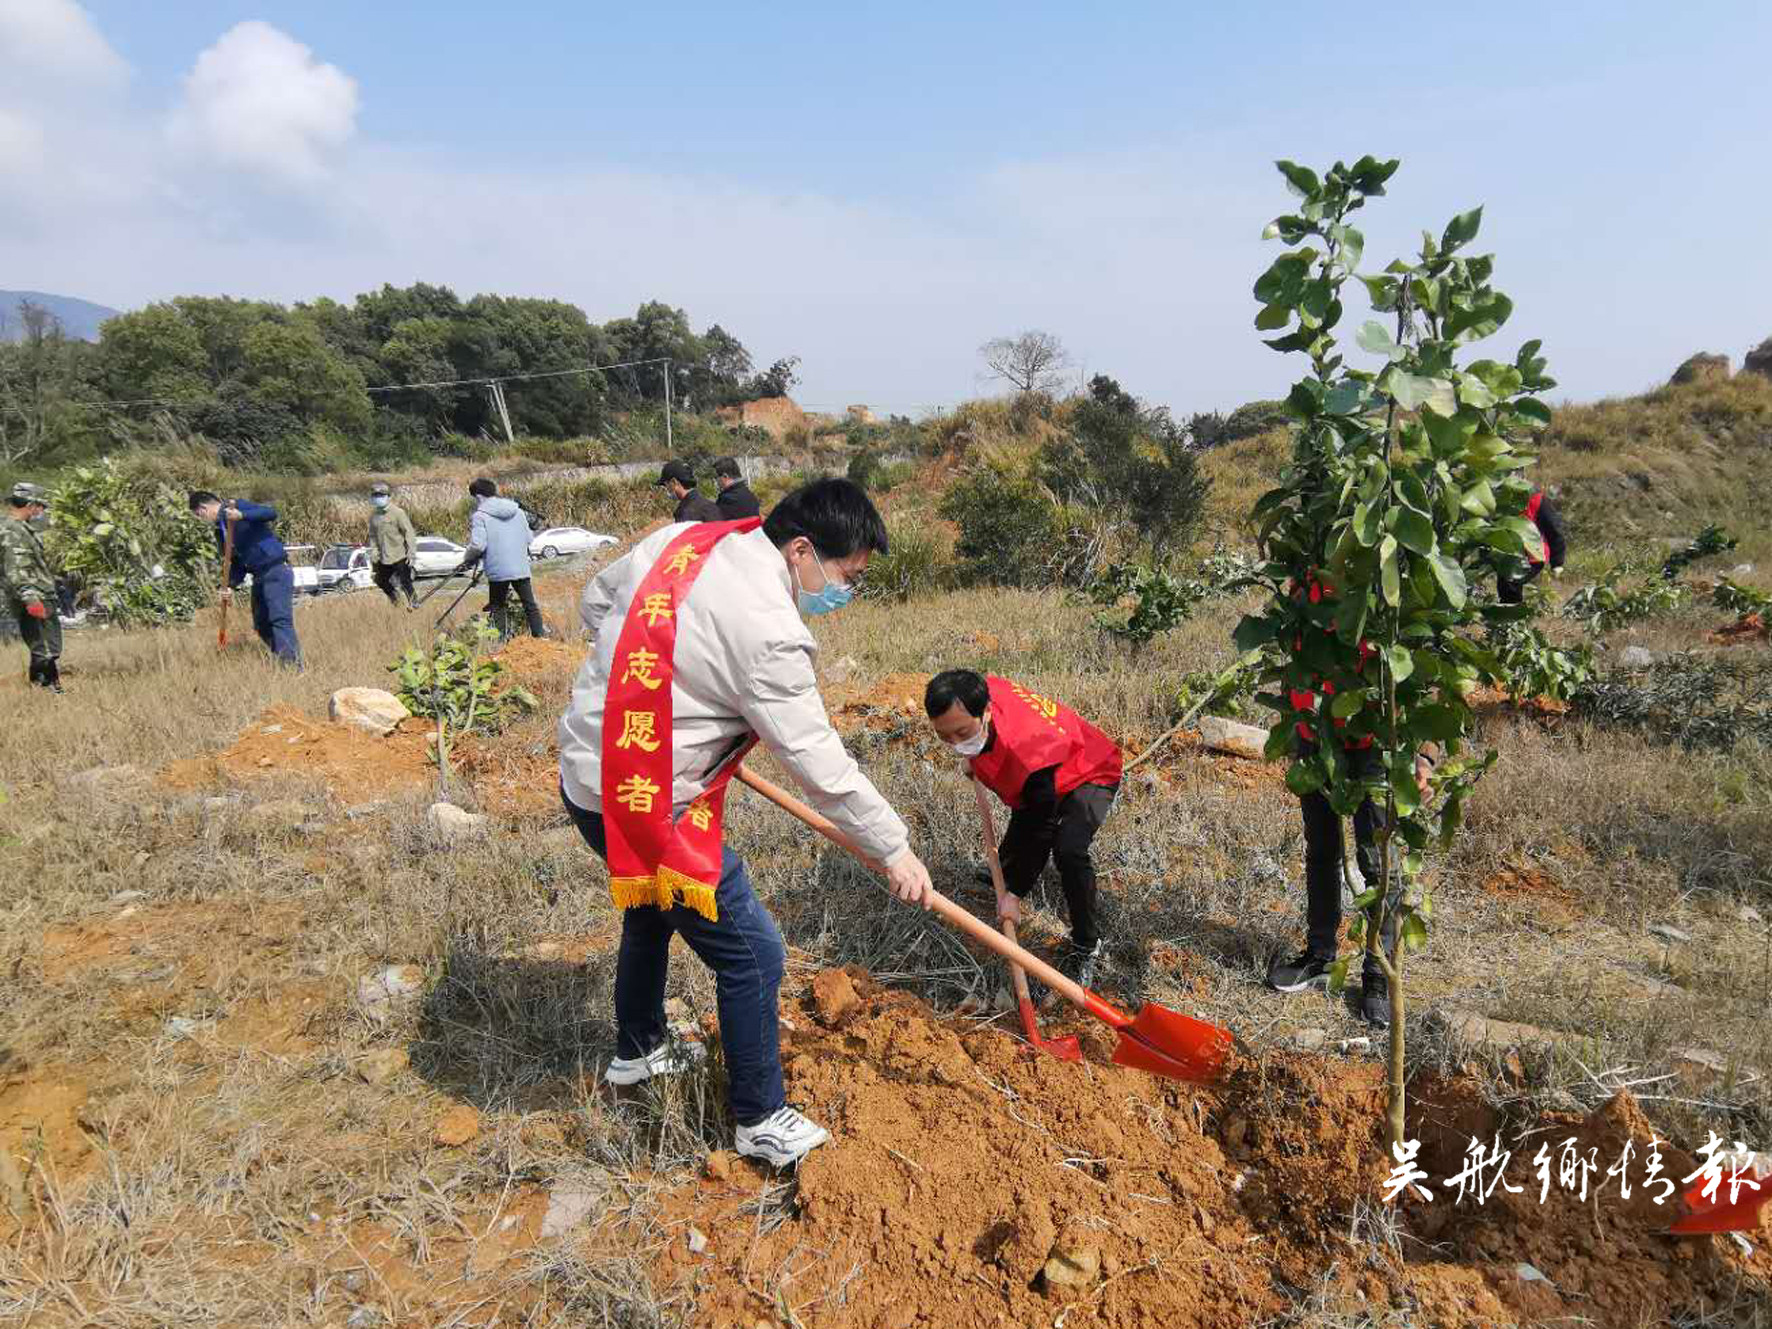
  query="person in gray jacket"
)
[{"x": 499, "y": 533}]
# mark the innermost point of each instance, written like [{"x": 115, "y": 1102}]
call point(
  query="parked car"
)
[
  {"x": 558, "y": 540},
  {"x": 301, "y": 563},
  {"x": 345, "y": 568},
  {"x": 436, "y": 557}
]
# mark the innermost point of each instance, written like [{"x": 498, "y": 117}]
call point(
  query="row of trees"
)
[
  {"x": 1036, "y": 363},
  {"x": 255, "y": 377}
]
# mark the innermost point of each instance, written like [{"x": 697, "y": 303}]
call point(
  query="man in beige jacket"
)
[
  {"x": 392, "y": 543},
  {"x": 743, "y": 667}
]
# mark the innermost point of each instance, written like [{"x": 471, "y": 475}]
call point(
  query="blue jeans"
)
[
  {"x": 273, "y": 612},
  {"x": 744, "y": 950}
]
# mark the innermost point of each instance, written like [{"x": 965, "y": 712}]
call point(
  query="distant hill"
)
[{"x": 79, "y": 318}]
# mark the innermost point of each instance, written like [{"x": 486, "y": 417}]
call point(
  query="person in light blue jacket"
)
[{"x": 499, "y": 534}]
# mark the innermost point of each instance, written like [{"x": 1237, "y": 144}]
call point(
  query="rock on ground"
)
[
  {"x": 382, "y": 1065},
  {"x": 1480, "y": 1032},
  {"x": 1071, "y": 1270},
  {"x": 456, "y": 826},
  {"x": 1240, "y": 740},
  {"x": 380, "y": 992},
  {"x": 457, "y": 1126},
  {"x": 375, "y": 709},
  {"x": 568, "y": 1206},
  {"x": 277, "y": 814},
  {"x": 835, "y": 997}
]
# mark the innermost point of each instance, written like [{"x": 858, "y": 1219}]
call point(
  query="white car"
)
[
  {"x": 345, "y": 568},
  {"x": 436, "y": 557},
  {"x": 558, "y": 540}
]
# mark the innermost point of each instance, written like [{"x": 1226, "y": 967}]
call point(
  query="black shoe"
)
[
  {"x": 1375, "y": 1000},
  {"x": 1297, "y": 974},
  {"x": 1080, "y": 965},
  {"x": 52, "y": 677}
]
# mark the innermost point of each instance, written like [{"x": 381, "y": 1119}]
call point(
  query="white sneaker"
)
[
  {"x": 665, "y": 1059},
  {"x": 782, "y": 1138}
]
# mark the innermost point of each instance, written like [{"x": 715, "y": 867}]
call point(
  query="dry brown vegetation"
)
[{"x": 211, "y": 1126}]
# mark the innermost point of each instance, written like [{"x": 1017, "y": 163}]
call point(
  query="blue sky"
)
[{"x": 879, "y": 190}]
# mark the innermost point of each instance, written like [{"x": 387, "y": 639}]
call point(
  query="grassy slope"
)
[{"x": 190, "y": 1189}]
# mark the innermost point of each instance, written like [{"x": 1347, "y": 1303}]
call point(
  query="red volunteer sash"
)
[{"x": 653, "y": 860}]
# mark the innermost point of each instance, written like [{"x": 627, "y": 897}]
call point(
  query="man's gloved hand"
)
[{"x": 37, "y": 609}]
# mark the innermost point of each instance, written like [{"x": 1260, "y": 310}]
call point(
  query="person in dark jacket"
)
[
  {"x": 499, "y": 533},
  {"x": 679, "y": 478},
  {"x": 258, "y": 553},
  {"x": 735, "y": 499},
  {"x": 1553, "y": 547}
]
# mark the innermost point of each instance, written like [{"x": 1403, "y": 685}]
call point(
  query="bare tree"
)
[{"x": 1033, "y": 362}]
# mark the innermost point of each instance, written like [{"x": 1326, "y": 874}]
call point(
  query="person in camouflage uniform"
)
[{"x": 28, "y": 584}]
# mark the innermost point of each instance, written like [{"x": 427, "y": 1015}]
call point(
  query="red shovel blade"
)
[
  {"x": 1065, "y": 1049},
  {"x": 1717, "y": 1214},
  {"x": 1165, "y": 1042}
]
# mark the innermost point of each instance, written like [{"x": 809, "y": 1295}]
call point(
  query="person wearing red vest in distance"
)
[
  {"x": 1324, "y": 847},
  {"x": 700, "y": 651},
  {"x": 1057, "y": 773},
  {"x": 1553, "y": 546}
]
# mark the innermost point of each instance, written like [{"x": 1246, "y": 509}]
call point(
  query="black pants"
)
[
  {"x": 44, "y": 638},
  {"x": 495, "y": 605},
  {"x": 1511, "y": 591},
  {"x": 389, "y": 576},
  {"x": 1064, "y": 834},
  {"x": 1323, "y": 848}
]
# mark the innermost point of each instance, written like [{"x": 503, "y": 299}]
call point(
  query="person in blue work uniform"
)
[{"x": 258, "y": 552}]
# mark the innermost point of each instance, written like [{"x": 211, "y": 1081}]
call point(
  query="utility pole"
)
[
  {"x": 670, "y": 444},
  {"x": 498, "y": 400}
]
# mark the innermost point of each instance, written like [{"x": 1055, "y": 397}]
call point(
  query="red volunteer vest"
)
[
  {"x": 1532, "y": 505},
  {"x": 1030, "y": 733}
]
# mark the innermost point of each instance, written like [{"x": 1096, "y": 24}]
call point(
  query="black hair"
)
[
  {"x": 18, "y": 502},
  {"x": 201, "y": 496},
  {"x": 483, "y": 488},
  {"x": 836, "y": 515},
  {"x": 966, "y": 686},
  {"x": 728, "y": 467}
]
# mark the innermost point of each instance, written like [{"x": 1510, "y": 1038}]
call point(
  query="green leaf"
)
[
  {"x": 1451, "y": 578},
  {"x": 1300, "y": 179},
  {"x": 1389, "y": 572},
  {"x": 1415, "y": 531},
  {"x": 1530, "y": 408},
  {"x": 1304, "y": 777},
  {"x": 1478, "y": 500},
  {"x": 1382, "y": 291},
  {"x": 1375, "y": 337},
  {"x": 1414, "y": 931},
  {"x": 1353, "y": 247},
  {"x": 1437, "y": 722},
  {"x": 1365, "y": 524},
  {"x": 1348, "y": 704},
  {"x": 1273, "y": 316},
  {"x": 1338, "y": 975},
  {"x": 1402, "y": 663},
  {"x": 1409, "y": 390},
  {"x": 1440, "y": 399},
  {"x": 1461, "y": 230},
  {"x": 1253, "y": 632}
]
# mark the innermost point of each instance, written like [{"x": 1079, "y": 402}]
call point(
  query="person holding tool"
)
[
  {"x": 499, "y": 534},
  {"x": 1057, "y": 773},
  {"x": 28, "y": 585},
  {"x": 258, "y": 553},
  {"x": 700, "y": 652},
  {"x": 392, "y": 543}
]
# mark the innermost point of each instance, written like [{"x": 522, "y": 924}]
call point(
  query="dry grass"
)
[{"x": 222, "y": 1158}]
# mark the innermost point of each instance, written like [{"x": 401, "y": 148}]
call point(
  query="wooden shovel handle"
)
[
  {"x": 1018, "y": 978},
  {"x": 980, "y": 931}
]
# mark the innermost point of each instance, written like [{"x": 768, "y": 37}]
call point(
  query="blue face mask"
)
[
  {"x": 380, "y": 500},
  {"x": 834, "y": 594}
]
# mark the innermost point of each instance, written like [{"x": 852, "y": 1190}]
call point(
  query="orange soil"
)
[
  {"x": 960, "y": 1160},
  {"x": 353, "y": 763},
  {"x": 1534, "y": 888},
  {"x": 1746, "y": 629}
]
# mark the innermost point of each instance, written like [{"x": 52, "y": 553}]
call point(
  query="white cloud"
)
[
  {"x": 45, "y": 40},
  {"x": 259, "y": 99}
]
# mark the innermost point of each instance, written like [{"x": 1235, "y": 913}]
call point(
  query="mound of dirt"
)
[
  {"x": 971, "y": 1182},
  {"x": 891, "y": 706},
  {"x": 1746, "y": 629},
  {"x": 282, "y": 742},
  {"x": 541, "y": 661}
]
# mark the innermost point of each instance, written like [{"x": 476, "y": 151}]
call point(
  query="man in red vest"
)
[
  {"x": 1057, "y": 773},
  {"x": 1553, "y": 545}
]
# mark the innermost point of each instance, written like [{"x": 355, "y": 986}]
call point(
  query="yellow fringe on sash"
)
[{"x": 664, "y": 889}]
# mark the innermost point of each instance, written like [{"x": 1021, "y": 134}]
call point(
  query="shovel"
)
[
  {"x": 221, "y": 632},
  {"x": 1721, "y": 1214},
  {"x": 1158, "y": 1040},
  {"x": 1065, "y": 1049}
]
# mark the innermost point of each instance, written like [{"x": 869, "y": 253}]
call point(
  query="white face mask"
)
[{"x": 971, "y": 747}]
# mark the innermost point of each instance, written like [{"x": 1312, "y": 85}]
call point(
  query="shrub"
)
[
  {"x": 915, "y": 565},
  {"x": 456, "y": 683},
  {"x": 1602, "y": 608},
  {"x": 1708, "y": 543},
  {"x": 132, "y": 544},
  {"x": 1159, "y": 602},
  {"x": 1013, "y": 533},
  {"x": 1686, "y": 699}
]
